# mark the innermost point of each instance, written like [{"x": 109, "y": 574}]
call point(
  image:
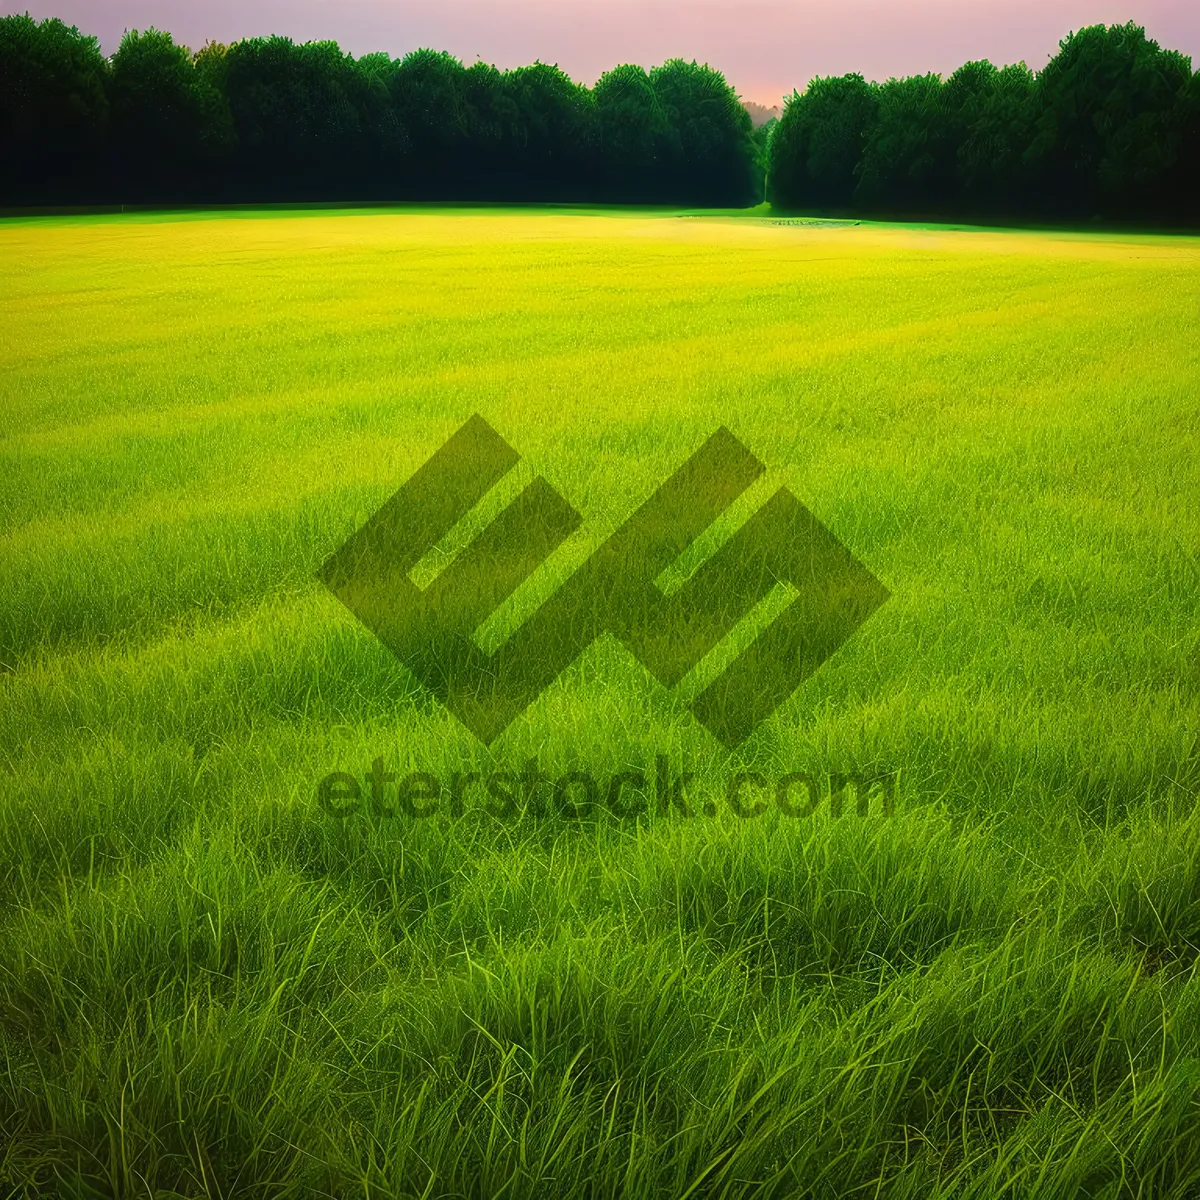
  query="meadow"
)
[{"x": 210, "y": 986}]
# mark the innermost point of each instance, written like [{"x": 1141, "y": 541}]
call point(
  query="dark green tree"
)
[
  {"x": 384, "y": 138},
  {"x": 170, "y": 128},
  {"x": 493, "y": 118},
  {"x": 913, "y": 158},
  {"x": 53, "y": 111},
  {"x": 904, "y": 165},
  {"x": 819, "y": 142},
  {"x": 993, "y": 172},
  {"x": 1111, "y": 127},
  {"x": 556, "y": 135},
  {"x": 299, "y": 113},
  {"x": 634, "y": 134},
  {"x": 429, "y": 91},
  {"x": 1108, "y": 105},
  {"x": 1183, "y": 192},
  {"x": 710, "y": 152}
]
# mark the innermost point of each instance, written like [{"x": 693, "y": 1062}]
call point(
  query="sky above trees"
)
[{"x": 764, "y": 47}]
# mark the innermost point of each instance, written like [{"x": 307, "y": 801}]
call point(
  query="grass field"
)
[{"x": 211, "y": 987}]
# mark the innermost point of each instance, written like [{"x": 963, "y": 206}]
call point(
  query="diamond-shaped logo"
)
[{"x": 614, "y": 592}]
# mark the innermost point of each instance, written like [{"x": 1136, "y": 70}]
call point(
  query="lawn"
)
[{"x": 212, "y": 985}]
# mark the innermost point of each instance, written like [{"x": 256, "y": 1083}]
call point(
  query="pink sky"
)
[{"x": 764, "y": 47}]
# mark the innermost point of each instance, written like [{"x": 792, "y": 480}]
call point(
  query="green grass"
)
[{"x": 209, "y": 987}]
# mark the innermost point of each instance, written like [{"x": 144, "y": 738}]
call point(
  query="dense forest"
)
[
  {"x": 1111, "y": 127},
  {"x": 267, "y": 119}
]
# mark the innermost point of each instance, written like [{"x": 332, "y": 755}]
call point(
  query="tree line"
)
[
  {"x": 1109, "y": 128},
  {"x": 267, "y": 119}
]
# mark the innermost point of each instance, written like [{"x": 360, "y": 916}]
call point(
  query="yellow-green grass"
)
[{"x": 208, "y": 986}]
